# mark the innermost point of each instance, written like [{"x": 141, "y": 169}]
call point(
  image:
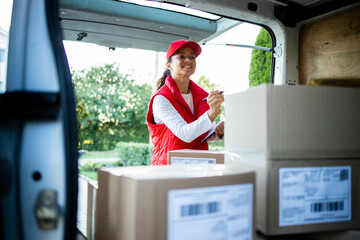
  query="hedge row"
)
[
  {"x": 133, "y": 154},
  {"x": 130, "y": 154}
]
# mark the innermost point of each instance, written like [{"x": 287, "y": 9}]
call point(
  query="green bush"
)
[
  {"x": 92, "y": 166},
  {"x": 134, "y": 154}
]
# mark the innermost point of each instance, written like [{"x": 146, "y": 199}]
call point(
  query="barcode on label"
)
[
  {"x": 344, "y": 174},
  {"x": 199, "y": 209},
  {"x": 327, "y": 206}
]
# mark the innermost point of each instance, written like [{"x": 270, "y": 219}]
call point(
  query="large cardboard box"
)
[
  {"x": 189, "y": 156},
  {"x": 304, "y": 144},
  {"x": 341, "y": 235},
  {"x": 304, "y": 196},
  {"x": 175, "y": 202},
  {"x": 292, "y": 122},
  {"x": 333, "y": 235}
]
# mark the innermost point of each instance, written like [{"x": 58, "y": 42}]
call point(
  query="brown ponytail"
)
[{"x": 161, "y": 81}]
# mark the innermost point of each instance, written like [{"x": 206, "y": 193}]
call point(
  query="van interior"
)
[
  {"x": 314, "y": 42},
  {"x": 300, "y": 126}
]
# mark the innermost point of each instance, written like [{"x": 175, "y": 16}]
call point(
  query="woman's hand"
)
[
  {"x": 215, "y": 99},
  {"x": 220, "y": 129}
]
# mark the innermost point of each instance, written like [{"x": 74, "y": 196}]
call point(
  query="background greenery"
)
[
  {"x": 111, "y": 111},
  {"x": 110, "y": 108},
  {"x": 126, "y": 154}
]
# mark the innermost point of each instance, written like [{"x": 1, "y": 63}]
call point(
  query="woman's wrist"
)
[{"x": 211, "y": 115}]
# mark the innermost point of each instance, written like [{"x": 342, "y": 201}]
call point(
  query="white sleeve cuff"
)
[{"x": 165, "y": 113}]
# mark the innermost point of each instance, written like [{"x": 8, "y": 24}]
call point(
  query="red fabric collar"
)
[{"x": 197, "y": 92}]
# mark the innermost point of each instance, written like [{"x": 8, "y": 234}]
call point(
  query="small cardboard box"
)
[
  {"x": 174, "y": 202},
  {"x": 295, "y": 122},
  {"x": 91, "y": 206},
  {"x": 303, "y": 196},
  {"x": 188, "y": 156}
]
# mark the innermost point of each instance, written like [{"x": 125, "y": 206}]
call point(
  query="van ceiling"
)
[
  {"x": 291, "y": 12},
  {"x": 121, "y": 24},
  {"x": 116, "y": 23}
]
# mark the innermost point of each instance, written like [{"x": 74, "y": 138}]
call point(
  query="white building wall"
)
[{"x": 4, "y": 38}]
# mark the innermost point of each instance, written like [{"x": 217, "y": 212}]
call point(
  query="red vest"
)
[{"x": 162, "y": 138}]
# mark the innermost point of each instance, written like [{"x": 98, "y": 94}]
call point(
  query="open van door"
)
[{"x": 38, "y": 138}]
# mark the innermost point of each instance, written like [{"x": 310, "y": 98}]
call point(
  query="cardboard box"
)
[
  {"x": 91, "y": 206},
  {"x": 303, "y": 196},
  {"x": 333, "y": 235},
  {"x": 188, "y": 156},
  {"x": 174, "y": 202},
  {"x": 295, "y": 122},
  {"x": 288, "y": 135},
  {"x": 343, "y": 235}
]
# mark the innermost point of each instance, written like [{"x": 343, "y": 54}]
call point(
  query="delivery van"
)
[{"x": 314, "y": 44}]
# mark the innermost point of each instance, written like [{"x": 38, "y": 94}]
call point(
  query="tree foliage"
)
[
  {"x": 110, "y": 107},
  {"x": 260, "y": 66},
  {"x": 205, "y": 83}
]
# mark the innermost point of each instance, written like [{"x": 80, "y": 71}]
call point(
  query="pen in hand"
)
[{"x": 204, "y": 99}]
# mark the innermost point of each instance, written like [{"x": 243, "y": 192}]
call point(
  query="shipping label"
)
[
  {"x": 311, "y": 195},
  {"x": 212, "y": 213},
  {"x": 189, "y": 160}
]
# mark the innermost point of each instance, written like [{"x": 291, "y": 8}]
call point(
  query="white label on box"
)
[
  {"x": 189, "y": 160},
  {"x": 314, "y": 195},
  {"x": 212, "y": 213}
]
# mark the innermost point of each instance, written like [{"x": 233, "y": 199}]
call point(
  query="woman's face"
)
[{"x": 183, "y": 62}]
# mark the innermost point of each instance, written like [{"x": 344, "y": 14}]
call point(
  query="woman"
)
[{"x": 178, "y": 116}]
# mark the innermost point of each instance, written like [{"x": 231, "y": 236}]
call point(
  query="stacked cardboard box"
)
[
  {"x": 188, "y": 156},
  {"x": 91, "y": 206},
  {"x": 339, "y": 235},
  {"x": 175, "y": 202},
  {"x": 304, "y": 144},
  {"x": 333, "y": 235}
]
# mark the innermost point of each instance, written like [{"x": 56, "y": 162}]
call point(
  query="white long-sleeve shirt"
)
[{"x": 164, "y": 112}]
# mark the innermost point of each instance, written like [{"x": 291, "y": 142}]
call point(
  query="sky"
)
[
  {"x": 5, "y": 14},
  {"x": 225, "y": 66}
]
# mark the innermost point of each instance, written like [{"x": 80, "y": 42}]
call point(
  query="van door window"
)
[{"x": 5, "y": 19}]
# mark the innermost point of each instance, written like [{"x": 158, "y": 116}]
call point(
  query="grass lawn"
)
[
  {"x": 96, "y": 155},
  {"x": 89, "y": 174},
  {"x": 101, "y": 154},
  {"x": 215, "y": 146}
]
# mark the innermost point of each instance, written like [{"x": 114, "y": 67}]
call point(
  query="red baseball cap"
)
[{"x": 174, "y": 46}]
